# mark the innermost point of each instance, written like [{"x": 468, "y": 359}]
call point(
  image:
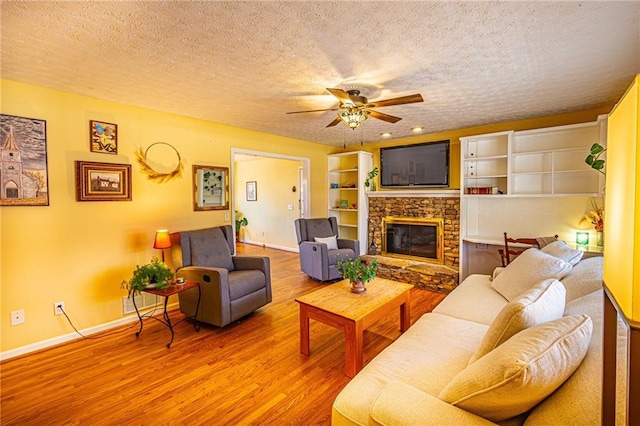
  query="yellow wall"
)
[
  {"x": 79, "y": 252},
  {"x": 455, "y": 135},
  {"x": 270, "y": 220}
]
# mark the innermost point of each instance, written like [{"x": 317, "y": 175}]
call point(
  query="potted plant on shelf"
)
[
  {"x": 369, "y": 181},
  {"x": 241, "y": 221},
  {"x": 358, "y": 272},
  {"x": 152, "y": 275},
  {"x": 593, "y": 159}
]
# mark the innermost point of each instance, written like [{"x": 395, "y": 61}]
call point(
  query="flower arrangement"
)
[
  {"x": 358, "y": 272},
  {"x": 595, "y": 217}
]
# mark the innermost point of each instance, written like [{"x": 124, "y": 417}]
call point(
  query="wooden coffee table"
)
[{"x": 336, "y": 306}]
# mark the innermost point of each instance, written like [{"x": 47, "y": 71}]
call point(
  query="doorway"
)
[{"x": 270, "y": 191}]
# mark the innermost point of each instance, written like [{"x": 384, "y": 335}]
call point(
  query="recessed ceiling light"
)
[
  {"x": 417, "y": 129},
  {"x": 385, "y": 134}
]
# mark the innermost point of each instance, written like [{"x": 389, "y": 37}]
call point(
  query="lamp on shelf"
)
[
  {"x": 621, "y": 274},
  {"x": 162, "y": 241},
  {"x": 582, "y": 238},
  {"x": 353, "y": 116}
]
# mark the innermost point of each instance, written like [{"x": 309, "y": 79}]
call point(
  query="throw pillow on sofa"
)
[
  {"x": 584, "y": 278},
  {"x": 527, "y": 270},
  {"x": 561, "y": 250},
  {"x": 544, "y": 302},
  {"x": 523, "y": 371}
]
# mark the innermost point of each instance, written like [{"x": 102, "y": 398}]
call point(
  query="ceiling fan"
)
[{"x": 355, "y": 109}]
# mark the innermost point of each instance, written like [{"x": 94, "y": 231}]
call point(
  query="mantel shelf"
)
[{"x": 417, "y": 193}]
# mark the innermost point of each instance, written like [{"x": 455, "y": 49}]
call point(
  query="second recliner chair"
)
[{"x": 320, "y": 248}]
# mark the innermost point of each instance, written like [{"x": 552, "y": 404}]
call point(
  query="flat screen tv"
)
[{"x": 419, "y": 165}]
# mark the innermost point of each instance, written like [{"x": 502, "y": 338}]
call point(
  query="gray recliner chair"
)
[
  {"x": 232, "y": 286},
  {"x": 317, "y": 259}
]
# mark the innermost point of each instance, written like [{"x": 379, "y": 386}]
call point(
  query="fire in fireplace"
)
[{"x": 413, "y": 238}]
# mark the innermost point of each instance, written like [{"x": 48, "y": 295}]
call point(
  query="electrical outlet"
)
[
  {"x": 17, "y": 317},
  {"x": 58, "y": 308},
  {"x": 226, "y": 217}
]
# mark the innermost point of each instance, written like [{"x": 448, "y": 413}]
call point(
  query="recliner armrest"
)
[
  {"x": 251, "y": 262},
  {"x": 313, "y": 249},
  {"x": 402, "y": 404},
  {"x": 349, "y": 244}
]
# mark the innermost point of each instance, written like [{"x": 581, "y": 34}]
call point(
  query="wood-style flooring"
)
[{"x": 251, "y": 372}]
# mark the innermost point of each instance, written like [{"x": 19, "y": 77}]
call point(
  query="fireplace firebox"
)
[{"x": 413, "y": 238}]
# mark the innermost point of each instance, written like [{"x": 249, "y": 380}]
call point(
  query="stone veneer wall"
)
[{"x": 447, "y": 208}]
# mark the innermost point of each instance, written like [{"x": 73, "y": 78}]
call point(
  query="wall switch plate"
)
[
  {"x": 17, "y": 317},
  {"x": 290, "y": 206}
]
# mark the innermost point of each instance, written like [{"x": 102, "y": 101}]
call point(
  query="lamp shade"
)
[
  {"x": 162, "y": 240},
  {"x": 622, "y": 204}
]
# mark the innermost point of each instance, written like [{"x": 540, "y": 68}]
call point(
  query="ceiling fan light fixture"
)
[{"x": 353, "y": 116}]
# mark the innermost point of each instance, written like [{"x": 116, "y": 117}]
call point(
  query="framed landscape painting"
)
[
  {"x": 24, "y": 177},
  {"x": 103, "y": 181}
]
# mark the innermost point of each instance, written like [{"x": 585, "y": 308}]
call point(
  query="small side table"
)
[{"x": 166, "y": 292}]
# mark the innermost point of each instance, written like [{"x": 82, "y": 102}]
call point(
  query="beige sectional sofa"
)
[{"x": 520, "y": 348}]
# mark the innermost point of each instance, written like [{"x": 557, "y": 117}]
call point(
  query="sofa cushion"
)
[
  {"x": 473, "y": 300},
  {"x": 527, "y": 270},
  {"x": 244, "y": 282},
  {"x": 561, "y": 250},
  {"x": 523, "y": 371},
  {"x": 209, "y": 248},
  {"x": 544, "y": 302},
  {"x": 584, "y": 278},
  {"x": 331, "y": 242},
  {"x": 427, "y": 357}
]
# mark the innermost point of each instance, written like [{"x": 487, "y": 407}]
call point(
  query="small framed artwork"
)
[
  {"x": 104, "y": 137},
  {"x": 103, "y": 181},
  {"x": 23, "y": 173},
  {"x": 210, "y": 188},
  {"x": 252, "y": 191}
]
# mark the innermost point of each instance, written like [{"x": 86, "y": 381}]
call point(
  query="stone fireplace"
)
[
  {"x": 413, "y": 238},
  {"x": 416, "y": 207}
]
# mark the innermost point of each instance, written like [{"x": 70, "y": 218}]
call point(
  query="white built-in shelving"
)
[{"x": 347, "y": 200}]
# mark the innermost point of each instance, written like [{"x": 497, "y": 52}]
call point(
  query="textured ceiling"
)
[{"x": 248, "y": 63}]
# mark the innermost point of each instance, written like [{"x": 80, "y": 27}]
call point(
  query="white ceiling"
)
[{"x": 248, "y": 63}]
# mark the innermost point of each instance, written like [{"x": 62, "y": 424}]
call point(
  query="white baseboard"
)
[
  {"x": 12, "y": 353},
  {"x": 273, "y": 246}
]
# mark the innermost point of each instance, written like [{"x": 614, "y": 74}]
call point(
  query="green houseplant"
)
[
  {"x": 593, "y": 159},
  {"x": 368, "y": 182},
  {"x": 358, "y": 272},
  {"x": 155, "y": 274},
  {"x": 241, "y": 221}
]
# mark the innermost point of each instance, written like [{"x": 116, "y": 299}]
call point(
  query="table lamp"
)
[
  {"x": 582, "y": 238},
  {"x": 621, "y": 274},
  {"x": 162, "y": 241}
]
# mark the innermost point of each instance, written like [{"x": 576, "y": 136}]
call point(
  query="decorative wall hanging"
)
[
  {"x": 210, "y": 188},
  {"x": 160, "y": 164},
  {"x": 24, "y": 179},
  {"x": 104, "y": 137},
  {"x": 252, "y": 191},
  {"x": 103, "y": 181}
]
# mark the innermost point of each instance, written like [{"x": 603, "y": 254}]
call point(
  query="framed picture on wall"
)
[
  {"x": 252, "y": 191},
  {"x": 24, "y": 171},
  {"x": 103, "y": 181},
  {"x": 104, "y": 137}
]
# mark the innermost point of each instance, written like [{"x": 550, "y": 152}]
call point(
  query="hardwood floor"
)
[{"x": 251, "y": 372}]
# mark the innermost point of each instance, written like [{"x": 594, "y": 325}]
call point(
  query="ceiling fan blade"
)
[
  {"x": 334, "y": 122},
  {"x": 384, "y": 117},
  {"x": 313, "y": 110},
  {"x": 409, "y": 99},
  {"x": 342, "y": 96}
]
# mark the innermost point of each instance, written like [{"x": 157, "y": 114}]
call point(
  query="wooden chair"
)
[{"x": 509, "y": 253}]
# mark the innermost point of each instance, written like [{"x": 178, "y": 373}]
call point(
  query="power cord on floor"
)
[{"x": 133, "y": 323}]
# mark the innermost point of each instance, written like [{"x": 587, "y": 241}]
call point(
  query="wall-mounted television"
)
[{"x": 418, "y": 165}]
